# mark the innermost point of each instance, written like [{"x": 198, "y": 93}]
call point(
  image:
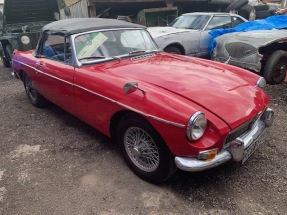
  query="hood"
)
[
  {"x": 256, "y": 38},
  {"x": 162, "y": 31},
  {"x": 24, "y": 11},
  {"x": 209, "y": 85}
]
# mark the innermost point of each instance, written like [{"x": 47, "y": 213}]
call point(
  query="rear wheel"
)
[
  {"x": 172, "y": 49},
  {"x": 34, "y": 97},
  {"x": 275, "y": 67},
  {"x": 144, "y": 150}
]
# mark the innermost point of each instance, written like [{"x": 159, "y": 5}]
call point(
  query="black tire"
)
[
  {"x": 172, "y": 49},
  {"x": 34, "y": 97},
  {"x": 261, "y": 7},
  {"x": 9, "y": 52},
  {"x": 148, "y": 156},
  {"x": 5, "y": 62},
  {"x": 245, "y": 11},
  {"x": 262, "y": 14},
  {"x": 275, "y": 68},
  {"x": 236, "y": 5}
]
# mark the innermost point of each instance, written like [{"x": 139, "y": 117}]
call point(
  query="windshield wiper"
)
[{"x": 92, "y": 57}]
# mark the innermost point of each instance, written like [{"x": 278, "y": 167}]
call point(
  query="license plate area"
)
[{"x": 249, "y": 151}]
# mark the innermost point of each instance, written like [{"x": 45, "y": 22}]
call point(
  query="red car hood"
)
[{"x": 218, "y": 90}]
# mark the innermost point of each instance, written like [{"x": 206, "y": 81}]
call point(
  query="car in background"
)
[
  {"x": 188, "y": 34},
  {"x": 165, "y": 111},
  {"x": 261, "y": 51},
  {"x": 21, "y": 23}
]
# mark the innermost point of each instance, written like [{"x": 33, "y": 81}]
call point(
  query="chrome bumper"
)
[{"x": 237, "y": 150}]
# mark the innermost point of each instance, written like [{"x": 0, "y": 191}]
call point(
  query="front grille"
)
[
  {"x": 239, "y": 131},
  {"x": 239, "y": 50}
]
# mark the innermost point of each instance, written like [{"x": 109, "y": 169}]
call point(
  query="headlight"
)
[
  {"x": 196, "y": 126},
  {"x": 261, "y": 82},
  {"x": 25, "y": 40}
]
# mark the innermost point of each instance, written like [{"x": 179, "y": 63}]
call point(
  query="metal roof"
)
[{"x": 79, "y": 25}]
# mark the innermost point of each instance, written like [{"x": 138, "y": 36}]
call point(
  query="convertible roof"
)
[{"x": 79, "y": 25}]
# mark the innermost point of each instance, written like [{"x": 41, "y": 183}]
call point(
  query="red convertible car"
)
[{"x": 165, "y": 111}]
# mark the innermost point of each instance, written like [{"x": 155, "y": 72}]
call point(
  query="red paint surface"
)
[{"x": 176, "y": 87}]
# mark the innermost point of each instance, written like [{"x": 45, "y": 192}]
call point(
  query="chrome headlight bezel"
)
[
  {"x": 261, "y": 83},
  {"x": 196, "y": 126},
  {"x": 25, "y": 40}
]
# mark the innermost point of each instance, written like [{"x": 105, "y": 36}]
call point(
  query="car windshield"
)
[
  {"x": 190, "y": 21},
  {"x": 112, "y": 43}
]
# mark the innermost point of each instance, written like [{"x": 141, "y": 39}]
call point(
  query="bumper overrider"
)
[{"x": 237, "y": 150}]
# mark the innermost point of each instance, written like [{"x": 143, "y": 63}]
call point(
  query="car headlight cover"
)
[
  {"x": 196, "y": 126},
  {"x": 25, "y": 40},
  {"x": 261, "y": 82}
]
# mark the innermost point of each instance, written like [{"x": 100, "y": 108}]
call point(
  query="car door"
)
[
  {"x": 216, "y": 22},
  {"x": 55, "y": 71}
]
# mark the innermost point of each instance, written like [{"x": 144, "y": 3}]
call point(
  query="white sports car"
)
[{"x": 188, "y": 34}]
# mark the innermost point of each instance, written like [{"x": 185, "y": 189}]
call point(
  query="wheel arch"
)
[
  {"x": 116, "y": 118},
  {"x": 268, "y": 50},
  {"x": 178, "y": 46},
  {"x": 21, "y": 74}
]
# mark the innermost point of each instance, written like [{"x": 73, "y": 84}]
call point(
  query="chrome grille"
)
[{"x": 239, "y": 131}]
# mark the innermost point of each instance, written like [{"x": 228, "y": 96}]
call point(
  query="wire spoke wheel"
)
[
  {"x": 30, "y": 89},
  {"x": 144, "y": 150},
  {"x": 141, "y": 149},
  {"x": 34, "y": 97}
]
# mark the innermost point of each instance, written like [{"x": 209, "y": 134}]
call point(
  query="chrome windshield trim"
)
[
  {"x": 79, "y": 64},
  {"x": 106, "y": 98}
]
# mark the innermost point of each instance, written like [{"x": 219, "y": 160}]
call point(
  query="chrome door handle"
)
[{"x": 39, "y": 64}]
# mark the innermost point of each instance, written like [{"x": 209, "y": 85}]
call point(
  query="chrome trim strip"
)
[
  {"x": 193, "y": 164},
  {"x": 106, "y": 98}
]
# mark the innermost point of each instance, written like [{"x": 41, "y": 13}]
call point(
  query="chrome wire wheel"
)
[
  {"x": 141, "y": 149},
  {"x": 30, "y": 89}
]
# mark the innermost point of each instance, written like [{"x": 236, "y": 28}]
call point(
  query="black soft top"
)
[{"x": 79, "y": 25}]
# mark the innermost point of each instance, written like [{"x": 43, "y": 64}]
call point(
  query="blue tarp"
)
[{"x": 271, "y": 22}]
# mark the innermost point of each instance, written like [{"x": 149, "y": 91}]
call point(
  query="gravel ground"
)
[{"x": 52, "y": 163}]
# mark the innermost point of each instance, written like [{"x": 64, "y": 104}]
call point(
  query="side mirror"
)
[{"x": 130, "y": 87}]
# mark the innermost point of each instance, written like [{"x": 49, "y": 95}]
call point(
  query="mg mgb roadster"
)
[{"x": 165, "y": 111}]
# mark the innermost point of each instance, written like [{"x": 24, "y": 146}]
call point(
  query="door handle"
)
[{"x": 39, "y": 64}]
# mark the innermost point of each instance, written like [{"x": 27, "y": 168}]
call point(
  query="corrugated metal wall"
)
[{"x": 78, "y": 10}]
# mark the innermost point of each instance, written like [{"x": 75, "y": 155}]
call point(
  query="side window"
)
[
  {"x": 54, "y": 48},
  {"x": 236, "y": 21},
  {"x": 219, "y": 22}
]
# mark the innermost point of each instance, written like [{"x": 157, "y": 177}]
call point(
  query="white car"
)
[{"x": 188, "y": 34}]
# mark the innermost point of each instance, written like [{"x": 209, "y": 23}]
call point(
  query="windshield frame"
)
[{"x": 101, "y": 60}]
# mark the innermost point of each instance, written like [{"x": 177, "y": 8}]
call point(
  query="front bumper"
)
[{"x": 238, "y": 150}]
